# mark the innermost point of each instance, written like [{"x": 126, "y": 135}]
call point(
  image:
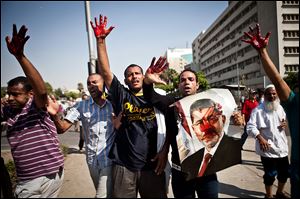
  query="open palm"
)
[
  {"x": 155, "y": 70},
  {"x": 100, "y": 30}
]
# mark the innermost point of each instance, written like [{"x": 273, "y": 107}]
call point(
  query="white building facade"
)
[
  {"x": 178, "y": 58},
  {"x": 225, "y": 59}
]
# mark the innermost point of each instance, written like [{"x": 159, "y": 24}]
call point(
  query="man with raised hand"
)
[
  {"x": 30, "y": 131},
  {"x": 135, "y": 146},
  {"x": 288, "y": 98}
]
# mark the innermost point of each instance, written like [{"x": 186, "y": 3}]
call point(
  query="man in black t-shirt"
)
[
  {"x": 135, "y": 148},
  {"x": 207, "y": 185}
]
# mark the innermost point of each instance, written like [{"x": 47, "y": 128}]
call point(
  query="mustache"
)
[{"x": 209, "y": 132}]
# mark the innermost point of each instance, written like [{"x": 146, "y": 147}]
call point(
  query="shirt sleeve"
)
[
  {"x": 73, "y": 114},
  {"x": 252, "y": 124}
]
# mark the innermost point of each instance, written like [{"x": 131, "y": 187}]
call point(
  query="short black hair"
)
[
  {"x": 20, "y": 80},
  {"x": 132, "y": 65},
  {"x": 189, "y": 70}
]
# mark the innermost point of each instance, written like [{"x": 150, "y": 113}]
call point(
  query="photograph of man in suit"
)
[{"x": 220, "y": 150}]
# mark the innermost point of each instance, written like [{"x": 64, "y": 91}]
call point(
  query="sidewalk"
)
[{"x": 240, "y": 181}]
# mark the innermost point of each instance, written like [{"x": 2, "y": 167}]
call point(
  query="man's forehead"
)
[
  {"x": 187, "y": 74},
  {"x": 94, "y": 77},
  {"x": 18, "y": 86},
  {"x": 133, "y": 69},
  {"x": 270, "y": 90}
]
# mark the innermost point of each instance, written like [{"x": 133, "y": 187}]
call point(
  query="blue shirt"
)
[{"x": 98, "y": 130}]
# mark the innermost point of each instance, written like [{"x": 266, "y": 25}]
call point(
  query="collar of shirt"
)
[{"x": 91, "y": 101}]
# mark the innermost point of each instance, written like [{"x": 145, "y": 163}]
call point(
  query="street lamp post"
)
[{"x": 92, "y": 59}]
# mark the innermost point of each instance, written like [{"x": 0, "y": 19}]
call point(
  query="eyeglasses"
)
[{"x": 209, "y": 118}]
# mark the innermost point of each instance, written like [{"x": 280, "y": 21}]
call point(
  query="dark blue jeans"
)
[
  {"x": 244, "y": 136},
  {"x": 206, "y": 186}
]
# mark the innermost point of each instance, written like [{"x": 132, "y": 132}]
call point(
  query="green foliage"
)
[
  {"x": 72, "y": 95},
  {"x": 171, "y": 77},
  {"x": 11, "y": 169},
  {"x": 203, "y": 83},
  {"x": 168, "y": 88},
  {"x": 48, "y": 87},
  {"x": 3, "y": 91},
  {"x": 58, "y": 93},
  {"x": 292, "y": 79}
]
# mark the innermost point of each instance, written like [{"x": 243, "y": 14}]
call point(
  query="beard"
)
[{"x": 271, "y": 106}]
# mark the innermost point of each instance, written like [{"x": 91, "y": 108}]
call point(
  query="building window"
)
[
  {"x": 290, "y": 18},
  {"x": 291, "y": 68},
  {"x": 291, "y": 34},
  {"x": 291, "y": 50},
  {"x": 289, "y": 3}
]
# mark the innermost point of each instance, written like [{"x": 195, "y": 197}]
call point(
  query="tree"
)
[
  {"x": 3, "y": 91},
  {"x": 292, "y": 79},
  {"x": 48, "y": 87},
  {"x": 72, "y": 95},
  {"x": 58, "y": 93},
  {"x": 171, "y": 77},
  {"x": 203, "y": 83}
]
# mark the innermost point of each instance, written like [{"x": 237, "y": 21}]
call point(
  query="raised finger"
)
[
  {"x": 92, "y": 24},
  {"x": 105, "y": 21},
  {"x": 248, "y": 35},
  {"x": 110, "y": 29},
  {"x": 26, "y": 38},
  {"x": 152, "y": 62},
  {"x": 101, "y": 20},
  {"x": 247, "y": 41},
  {"x": 251, "y": 29},
  {"x": 96, "y": 23},
  {"x": 258, "y": 30},
  {"x": 15, "y": 30},
  {"x": 7, "y": 39},
  {"x": 267, "y": 36},
  {"x": 22, "y": 31},
  {"x": 166, "y": 66}
]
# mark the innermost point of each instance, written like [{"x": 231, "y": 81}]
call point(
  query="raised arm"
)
[
  {"x": 16, "y": 48},
  {"x": 101, "y": 33},
  {"x": 260, "y": 43}
]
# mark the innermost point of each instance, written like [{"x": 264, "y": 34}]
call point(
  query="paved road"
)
[{"x": 239, "y": 181}]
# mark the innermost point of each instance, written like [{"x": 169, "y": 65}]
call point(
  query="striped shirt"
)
[
  {"x": 98, "y": 130},
  {"x": 34, "y": 142}
]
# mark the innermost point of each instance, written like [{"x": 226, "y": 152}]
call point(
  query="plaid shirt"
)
[{"x": 98, "y": 130}]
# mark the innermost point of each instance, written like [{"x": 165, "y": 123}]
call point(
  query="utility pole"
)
[{"x": 92, "y": 57}]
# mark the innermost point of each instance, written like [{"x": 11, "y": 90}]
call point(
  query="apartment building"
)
[
  {"x": 225, "y": 59},
  {"x": 178, "y": 58}
]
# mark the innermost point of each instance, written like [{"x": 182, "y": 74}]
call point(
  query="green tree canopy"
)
[
  {"x": 58, "y": 93},
  {"x": 292, "y": 79},
  {"x": 171, "y": 77},
  {"x": 48, "y": 87},
  {"x": 3, "y": 91}
]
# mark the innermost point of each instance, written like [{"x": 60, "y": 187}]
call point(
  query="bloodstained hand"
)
[
  {"x": 16, "y": 45},
  {"x": 159, "y": 66},
  {"x": 256, "y": 40},
  {"x": 100, "y": 30}
]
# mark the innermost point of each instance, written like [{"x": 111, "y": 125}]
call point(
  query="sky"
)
[{"x": 58, "y": 44}]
